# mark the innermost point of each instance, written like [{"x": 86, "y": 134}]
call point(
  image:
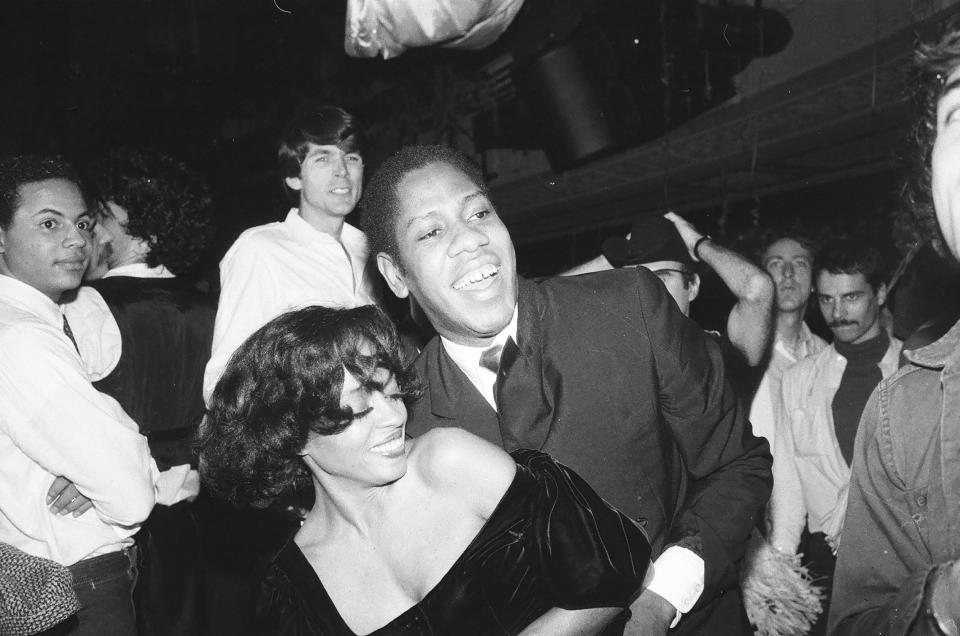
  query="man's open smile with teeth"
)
[{"x": 477, "y": 275}]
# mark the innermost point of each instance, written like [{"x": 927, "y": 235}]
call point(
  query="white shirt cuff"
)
[
  {"x": 678, "y": 578},
  {"x": 178, "y": 483}
]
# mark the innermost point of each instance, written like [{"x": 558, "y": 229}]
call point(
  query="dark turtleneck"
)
[{"x": 860, "y": 377}]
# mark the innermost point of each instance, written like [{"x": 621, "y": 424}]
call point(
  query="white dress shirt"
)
[
  {"x": 274, "y": 268},
  {"x": 140, "y": 270},
  {"x": 810, "y": 474},
  {"x": 766, "y": 402},
  {"x": 54, "y": 423},
  {"x": 677, "y": 574}
]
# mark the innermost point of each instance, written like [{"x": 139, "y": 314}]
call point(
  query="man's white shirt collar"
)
[
  {"x": 304, "y": 232},
  {"x": 36, "y": 302},
  {"x": 468, "y": 359},
  {"x": 140, "y": 270}
]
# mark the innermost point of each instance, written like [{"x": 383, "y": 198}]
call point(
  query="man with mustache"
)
[
  {"x": 822, "y": 399},
  {"x": 601, "y": 370}
]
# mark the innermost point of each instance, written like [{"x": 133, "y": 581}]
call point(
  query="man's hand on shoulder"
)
[{"x": 651, "y": 615}]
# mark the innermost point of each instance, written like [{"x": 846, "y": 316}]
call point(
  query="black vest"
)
[{"x": 166, "y": 326}]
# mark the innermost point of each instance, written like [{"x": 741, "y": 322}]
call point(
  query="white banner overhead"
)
[{"x": 389, "y": 27}]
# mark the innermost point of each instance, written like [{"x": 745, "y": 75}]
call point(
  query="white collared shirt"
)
[
  {"x": 810, "y": 474},
  {"x": 274, "y": 268},
  {"x": 54, "y": 423},
  {"x": 468, "y": 359},
  {"x": 140, "y": 270},
  {"x": 677, "y": 574},
  {"x": 766, "y": 402}
]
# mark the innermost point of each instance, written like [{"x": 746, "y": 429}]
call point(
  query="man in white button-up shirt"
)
[
  {"x": 822, "y": 399},
  {"x": 54, "y": 427},
  {"x": 789, "y": 261},
  {"x": 314, "y": 257}
]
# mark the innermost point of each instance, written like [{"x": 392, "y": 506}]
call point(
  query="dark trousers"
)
[
  {"x": 819, "y": 560},
  {"x": 169, "y": 597},
  {"x": 104, "y": 585}
]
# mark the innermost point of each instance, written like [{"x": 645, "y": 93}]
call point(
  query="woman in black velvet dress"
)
[{"x": 443, "y": 534}]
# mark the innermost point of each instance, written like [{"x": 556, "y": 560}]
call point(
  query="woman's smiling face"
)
[{"x": 372, "y": 449}]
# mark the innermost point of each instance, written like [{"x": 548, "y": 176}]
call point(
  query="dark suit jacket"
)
[{"x": 610, "y": 379}]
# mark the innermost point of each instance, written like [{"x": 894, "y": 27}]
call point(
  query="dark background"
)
[{"x": 212, "y": 81}]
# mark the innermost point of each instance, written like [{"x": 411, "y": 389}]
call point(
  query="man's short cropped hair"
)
[
  {"x": 379, "y": 203},
  {"x": 19, "y": 170},
  {"x": 321, "y": 125},
  {"x": 932, "y": 65},
  {"x": 771, "y": 235},
  {"x": 168, "y": 205},
  {"x": 851, "y": 256}
]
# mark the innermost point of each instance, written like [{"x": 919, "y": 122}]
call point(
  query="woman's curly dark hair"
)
[
  {"x": 932, "y": 65},
  {"x": 168, "y": 204},
  {"x": 283, "y": 384}
]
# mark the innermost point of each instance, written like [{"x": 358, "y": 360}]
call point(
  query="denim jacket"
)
[{"x": 903, "y": 514}]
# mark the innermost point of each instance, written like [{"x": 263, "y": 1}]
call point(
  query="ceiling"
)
[
  {"x": 832, "y": 122},
  {"x": 211, "y": 81}
]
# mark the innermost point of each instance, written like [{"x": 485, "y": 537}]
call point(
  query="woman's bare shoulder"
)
[{"x": 455, "y": 462}]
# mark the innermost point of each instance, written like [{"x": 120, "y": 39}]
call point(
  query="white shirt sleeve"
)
[
  {"x": 53, "y": 415},
  {"x": 678, "y": 577},
  {"x": 788, "y": 510},
  {"x": 248, "y": 300}
]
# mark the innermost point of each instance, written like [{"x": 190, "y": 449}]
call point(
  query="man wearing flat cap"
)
[{"x": 670, "y": 247}]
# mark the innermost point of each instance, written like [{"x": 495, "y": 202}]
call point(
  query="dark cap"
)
[{"x": 652, "y": 238}]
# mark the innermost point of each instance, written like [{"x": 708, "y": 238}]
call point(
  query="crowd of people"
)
[{"x": 566, "y": 455}]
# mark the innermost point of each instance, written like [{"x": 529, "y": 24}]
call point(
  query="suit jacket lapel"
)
[{"x": 453, "y": 397}]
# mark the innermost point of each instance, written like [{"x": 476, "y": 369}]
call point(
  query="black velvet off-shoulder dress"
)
[{"x": 550, "y": 542}]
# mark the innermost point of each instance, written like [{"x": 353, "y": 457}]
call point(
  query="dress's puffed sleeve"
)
[{"x": 589, "y": 553}]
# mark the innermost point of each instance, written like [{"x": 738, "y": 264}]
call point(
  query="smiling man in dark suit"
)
[{"x": 602, "y": 371}]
